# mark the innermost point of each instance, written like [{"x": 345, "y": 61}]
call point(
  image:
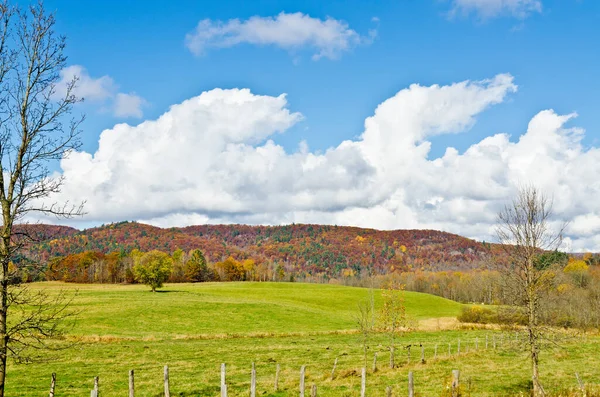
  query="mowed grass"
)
[
  {"x": 193, "y": 328},
  {"x": 181, "y": 310}
]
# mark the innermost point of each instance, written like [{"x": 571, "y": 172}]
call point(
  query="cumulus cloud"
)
[
  {"x": 211, "y": 159},
  {"x": 99, "y": 90},
  {"x": 485, "y": 9},
  {"x": 128, "y": 105},
  {"x": 328, "y": 38}
]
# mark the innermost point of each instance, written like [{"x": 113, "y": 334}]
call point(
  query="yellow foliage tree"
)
[{"x": 578, "y": 270}]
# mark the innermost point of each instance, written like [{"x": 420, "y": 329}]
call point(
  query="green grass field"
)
[{"x": 193, "y": 328}]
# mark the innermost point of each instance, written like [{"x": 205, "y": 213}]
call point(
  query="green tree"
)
[
  {"x": 179, "y": 266},
  {"x": 196, "y": 268},
  {"x": 548, "y": 259},
  {"x": 153, "y": 269}
]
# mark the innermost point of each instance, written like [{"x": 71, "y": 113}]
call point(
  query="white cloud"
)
[
  {"x": 328, "y": 38},
  {"x": 486, "y": 9},
  {"x": 100, "y": 90},
  {"x": 128, "y": 105},
  {"x": 211, "y": 159},
  {"x": 88, "y": 88}
]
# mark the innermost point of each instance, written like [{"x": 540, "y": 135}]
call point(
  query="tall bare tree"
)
[
  {"x": 364, "y": 322},
  {"x": 524, "y": 230},
  {"x": 36, "y": 130}
]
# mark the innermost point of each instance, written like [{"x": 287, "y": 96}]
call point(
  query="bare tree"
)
[
  {"x": 365, "y": 321},
  {"x": 36, "y": 130},
  {"x": 393, "y": 314},
  {"x": 524, "y": 231}
]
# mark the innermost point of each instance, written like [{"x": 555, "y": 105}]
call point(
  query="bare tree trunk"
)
[
  {"x": 32, "y": 119},
  {"x": 3, "y": 317},
  {"x": 525, "y": 232},
  {"x": 535, "y": 375}
]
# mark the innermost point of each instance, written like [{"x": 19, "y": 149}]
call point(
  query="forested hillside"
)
[{"x": 311, "y": 249}]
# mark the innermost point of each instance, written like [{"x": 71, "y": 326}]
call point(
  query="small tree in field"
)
[
  {"x": 393, "y": 314},
  {"x": 153, "y": 269},
  {"x": 365, "y": 321},
  {"x": 524, "y": 231}
]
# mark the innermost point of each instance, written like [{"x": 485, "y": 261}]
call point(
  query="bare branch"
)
[
  {"x": 524, "y": 231},
  {"x": 36, "y": 129}
]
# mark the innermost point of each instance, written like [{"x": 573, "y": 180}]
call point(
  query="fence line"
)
[{"x": 95, "y": 392}]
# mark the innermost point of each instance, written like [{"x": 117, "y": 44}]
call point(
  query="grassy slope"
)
[
  {"x": 220, "y": 308},
  {"x": 144, "y": 331}
]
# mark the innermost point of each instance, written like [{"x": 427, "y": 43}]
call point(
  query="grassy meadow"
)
[{"x": 193, "y": 328}]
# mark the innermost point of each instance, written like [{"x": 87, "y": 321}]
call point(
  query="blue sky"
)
[
  {"x": 553, "y": 55},
  {"x": 548, "y": 48}
]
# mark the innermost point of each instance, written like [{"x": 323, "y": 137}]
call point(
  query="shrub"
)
[{"x": 478, "y": 314}]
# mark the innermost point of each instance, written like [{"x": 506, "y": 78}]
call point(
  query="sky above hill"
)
[{"x": 389, "y": 114}]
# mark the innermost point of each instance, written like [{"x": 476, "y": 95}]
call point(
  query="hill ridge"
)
[{"x": 313, "y": 248}]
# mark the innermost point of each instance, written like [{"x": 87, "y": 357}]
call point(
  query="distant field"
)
[
  {"x": 218, "y": 308},
  {"x": 195, "y": 327}
]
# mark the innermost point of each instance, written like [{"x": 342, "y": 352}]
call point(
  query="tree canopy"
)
[{"x": 153, "y": 269}]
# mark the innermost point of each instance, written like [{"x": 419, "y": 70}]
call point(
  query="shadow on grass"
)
[{"x": 524, "y": 387}]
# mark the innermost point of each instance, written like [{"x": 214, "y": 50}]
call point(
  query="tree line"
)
[
  {"x": 180, "y": 266},
  {"x": 571, "y": 298}
]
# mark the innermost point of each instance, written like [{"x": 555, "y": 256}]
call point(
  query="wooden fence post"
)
[
  {"x": 408, "y": 354},
  {"x": 455, "y": 382},
  {"x": 411, "y": 385},
  {"x": 313, "y": 391},
  {"x": 392, "y": 364},
  {"x": 458, "y": 348},
  {"x": 253, "y": 382},
  {"x": 422, "y": 354},
  {"x": 449, "y": 351},
  {"x": 333, "y": 370},
  {"x": 580, "y": 382},
  {"x": 223, "y": 384},
  {"x": 167, "y": 391},
  {"x": 131, "y": 384},
  {"x": 363, "y": 383},
  {"x": 52, "y": 384},
  {"x": 302, "y": 380},
  {"x": 94, "y": 392},
  {"x": 486, "y": 341},
  {"x": 494, "y": 341},
  {"x": 476, "y": 343},
  {"x": 388, "y": 391},
  {"x": 96, "y": 385},
  {"x": 277, "y": 369},
  {"x": 375, "y": 362}
]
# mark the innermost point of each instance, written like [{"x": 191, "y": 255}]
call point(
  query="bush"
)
[
  {"x": 512, "y": 316},
  {"x": 478, "y": 314}
]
